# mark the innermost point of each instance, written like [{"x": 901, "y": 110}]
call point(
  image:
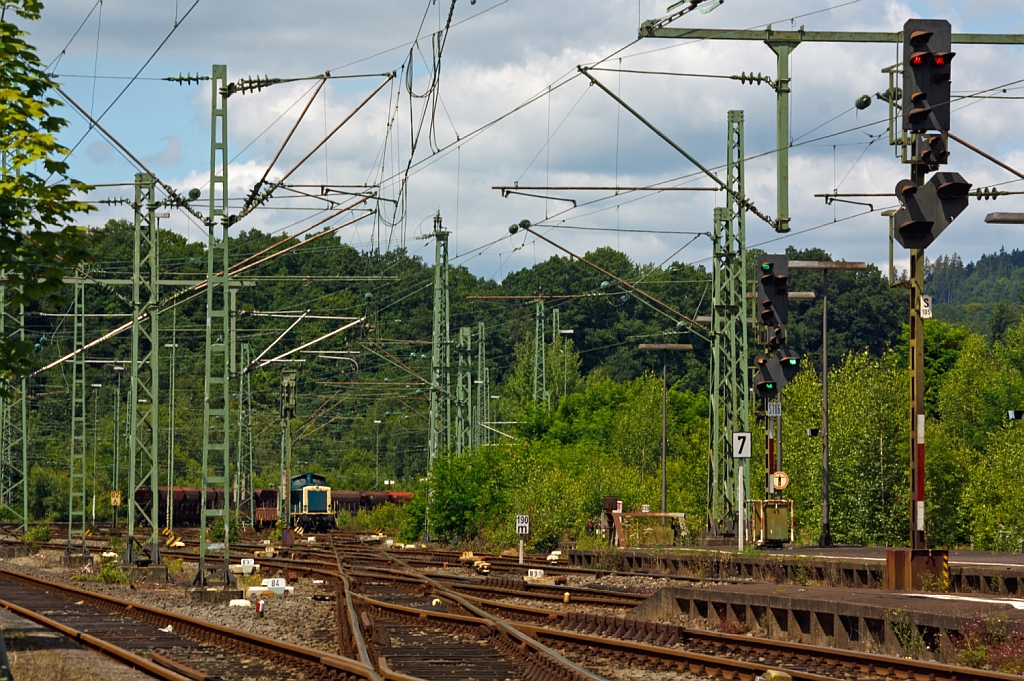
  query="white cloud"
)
[{"x": 512, "y": 51}]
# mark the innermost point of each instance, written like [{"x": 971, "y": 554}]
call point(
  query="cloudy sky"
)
[{"x": 509, "y": 107}]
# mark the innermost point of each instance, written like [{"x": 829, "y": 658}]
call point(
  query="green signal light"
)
[
  {"x": 792, "y": 361},
  {"x": 769, "y": 386},
  {"x": 766, "y": 266}
]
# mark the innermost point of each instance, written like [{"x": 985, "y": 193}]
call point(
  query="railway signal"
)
[
  {"x": 766, "y": 385},
  {"x": 773, "y": 291},
  {"x": 931, "y": 149},
  {"x": 927, "y": 60},
  {"x": 928, "y": 210},
  {"x": 774, "y": 372},
  {"x": 779, "y": 365}
]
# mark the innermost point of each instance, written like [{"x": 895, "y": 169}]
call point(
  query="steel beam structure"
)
[
  {"x": 217, "y": 381},
  {"x": 289, "y": 386},
  {"x": 483, "y": 391},
  {"x": 243, "y": 457},
  {"x": 172, "y": 405},
  {"x": 464, "y": 435},
  {"x": 76, "y": 489},
  {"x": 917, "y": 415},
  {"x": 144, "y": 391},
  {"x": 540, "y": 367},
  {"x": 441, "y": 350},
  {"x": 783, "y": 43},
  {"x": 13, "y": 427},
  {"x": 730, "y": 379}
]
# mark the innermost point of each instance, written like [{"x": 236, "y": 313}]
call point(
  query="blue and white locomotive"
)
[{"x": 310, "y": 503}]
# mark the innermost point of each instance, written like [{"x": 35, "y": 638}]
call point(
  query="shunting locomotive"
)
[{"x": 309, "y": 501}]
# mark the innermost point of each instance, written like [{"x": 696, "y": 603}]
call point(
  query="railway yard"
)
[{"x": 355, "y": 609}]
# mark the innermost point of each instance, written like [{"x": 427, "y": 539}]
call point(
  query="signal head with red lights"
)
[{"x": 926, "y": 74}]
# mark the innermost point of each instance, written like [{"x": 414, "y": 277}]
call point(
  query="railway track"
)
[
  {"x": 618, "y": 640},
  {"x": 167, "y": 645},
  {"x": 417, "y": 639},
  {"x": 411, "y": 625}
]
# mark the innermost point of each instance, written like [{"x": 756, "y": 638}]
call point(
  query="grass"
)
[
  {"x": 46, "y": 665},
  {"x": 242, "y": 581}
]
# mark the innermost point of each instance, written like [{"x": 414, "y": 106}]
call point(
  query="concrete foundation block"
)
[
  {"x": 76, "y": 561},
  {"x": 213, "y": 595},
  {"x": 151, "y": 574},
  {"x": 16, "y": 551}
]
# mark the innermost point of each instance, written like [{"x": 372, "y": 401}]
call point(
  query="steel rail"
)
[
  {"x": 787, "y": 654},
  {"x": 353, "y": 621},
  {"x": 116, "y": 653},
  {"x": 541, "y": 656},
  {"x": 694, "y": 662},
  {"x": 508, "y": 630},
  {"x": 712, "y": 666},
  {"x": 262, "y": 644},
  {"x": 605, "y": 626},
  {"x": 485, "y": 627},
  {"x": 621, "y": 628}
]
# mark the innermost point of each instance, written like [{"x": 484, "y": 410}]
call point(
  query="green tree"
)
[
  {"x": 864, "y": 313},
  {"x": 943, "y": 343},
  {"x": 1004, "y": 315},
  {"x": 977, "y": 392},
  {"x": 996, "y": 507},
  {"x": 951, "y": 463},
  {"x": 868, "y": 487},
  {"x": 39, "y": 240}
]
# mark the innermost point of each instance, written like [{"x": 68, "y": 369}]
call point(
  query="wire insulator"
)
[{"x": 186, "y": 79}]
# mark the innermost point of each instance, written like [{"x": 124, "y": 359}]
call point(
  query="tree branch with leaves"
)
[{"x": 40, "y": 240}]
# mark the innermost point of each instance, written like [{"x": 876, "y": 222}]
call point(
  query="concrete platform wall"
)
[
  {"x": 792, "y": 569},
  {"x": 852, "y": 626}
]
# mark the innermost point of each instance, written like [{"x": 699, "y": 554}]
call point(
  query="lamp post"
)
[
  {"x": 825, "y": 539},
  {"x": 664, "y": 348},
  {"x": 1005, "y": 218},
  {"x": 95, "y": 441},
  {"x": 565, "y": 361},
  {"x": 376, "y": 475},
  {"x": 120, "y": 369},
  {"x": 170, "y": 435}
]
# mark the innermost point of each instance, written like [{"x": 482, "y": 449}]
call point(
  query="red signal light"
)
[
  {"x": 940, "y": 60},
  {"x": 917, "y": 60}
]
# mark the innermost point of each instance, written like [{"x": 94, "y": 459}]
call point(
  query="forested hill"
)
[
  {"x": 363, "y": 399},
  {"x": 984, "y": 296}
]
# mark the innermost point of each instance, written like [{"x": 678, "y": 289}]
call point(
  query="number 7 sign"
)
[{"x": 741, "y": 445}]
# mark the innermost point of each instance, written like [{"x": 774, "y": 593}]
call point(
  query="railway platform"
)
[
  {"x": 871, "y": 620},
  {"x": 845, "y": 566}
]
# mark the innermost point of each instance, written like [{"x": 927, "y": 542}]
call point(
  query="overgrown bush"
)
[
  {"x": 216, "y": 528},
  {"x": 386, "y": 517},
  {"x": 111, "y": 571},
  {"x": 38, "y": 533}
]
